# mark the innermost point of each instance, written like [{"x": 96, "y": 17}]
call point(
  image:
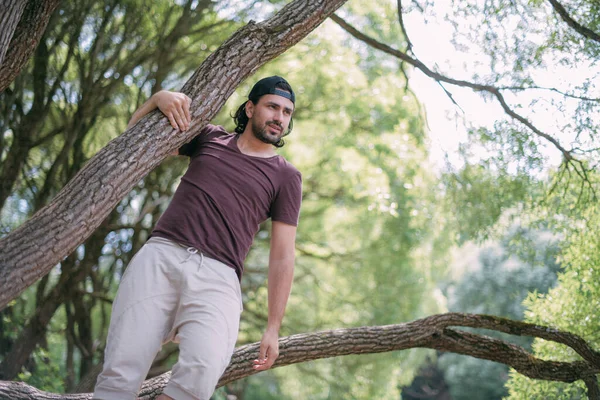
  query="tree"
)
[
  {"x": 507, "y": 72},
  {"x": 64, "y": 346},
  {"x": 432, "y": 332},
  {"x": 336, "y": 183},
  {"x": 573, "y": 303},
  {"x": 22, "y": 24},
  {"x": 27, "y": 254},
  {"x": 499, "y": 286},
  {"x": 86, "y": 49}
]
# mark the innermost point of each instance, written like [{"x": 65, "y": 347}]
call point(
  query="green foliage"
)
[
  {"x": 95, "y": 65},
  {"x": 377, "y": 225},
  {"x": 478, "y": 196},
  {"x": 46, "y": 371},
  {"x": 497, "y": 283},
  {"x": 573, "y": 304},
  {"x": 366, "y": 220}
]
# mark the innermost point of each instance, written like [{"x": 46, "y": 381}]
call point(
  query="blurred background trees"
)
[{"x": 505, "y": 224}]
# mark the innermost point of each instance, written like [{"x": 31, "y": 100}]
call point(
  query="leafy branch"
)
[{"x": 568, "y": 155}]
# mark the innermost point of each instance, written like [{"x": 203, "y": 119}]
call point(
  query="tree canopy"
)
[{"x": 508, "y": 225}]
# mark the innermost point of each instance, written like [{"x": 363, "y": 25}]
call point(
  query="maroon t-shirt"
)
[{"x": 224, "y": 196}]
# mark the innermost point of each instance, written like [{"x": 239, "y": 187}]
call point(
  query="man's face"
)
[{"x": 270, "y": 117}]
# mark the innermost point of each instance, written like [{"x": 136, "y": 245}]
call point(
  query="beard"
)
[{"x": 261, "y": 133}]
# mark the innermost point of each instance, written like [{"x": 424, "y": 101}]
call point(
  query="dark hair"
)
[{"x": 241, "y": 119}]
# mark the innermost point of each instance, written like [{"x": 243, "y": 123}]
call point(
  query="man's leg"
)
[
  {"x": 207, "y": 326},
  {"x": 143, "y": 314}
]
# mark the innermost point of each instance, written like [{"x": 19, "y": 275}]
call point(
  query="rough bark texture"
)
[
  {"x": 30, "y": 251},
  {"x": 32, "y": 21},
  {"x": 10, "y": 15},
  {"x": 432, "y": 332}
]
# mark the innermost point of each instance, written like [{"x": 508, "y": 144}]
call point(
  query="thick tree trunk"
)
[
  {"x": 23, "y": 23},
  {"x": 30, "y": 251},
  {"x": 432, "y": 332}
]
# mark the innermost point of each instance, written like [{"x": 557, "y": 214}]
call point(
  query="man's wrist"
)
[{"x": 154, "y": 99}]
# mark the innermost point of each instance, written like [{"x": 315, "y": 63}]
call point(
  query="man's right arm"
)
[{"x": 175, "y": 105}]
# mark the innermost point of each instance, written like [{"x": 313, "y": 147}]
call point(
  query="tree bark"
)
[
  {"x": 9, "y": 18},
  {"x": 30, "y": 251},
  {"x": 432, "y": 332},
  {"x": 25, "y": 29}
]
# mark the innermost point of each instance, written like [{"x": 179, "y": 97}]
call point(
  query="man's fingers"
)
[
  {"x": 172, "y": 120},
  {"x": 269, "y": 363},
  {"x": 179, "y": 119},
  {"x": 176, "y": 106},
  {"x": 264, "y": 363},
  {"x": 184, "y": 111},
  {"x": 262, "y": 353}
]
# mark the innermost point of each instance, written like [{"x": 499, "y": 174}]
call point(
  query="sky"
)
[{"x": 446, "y": 121}]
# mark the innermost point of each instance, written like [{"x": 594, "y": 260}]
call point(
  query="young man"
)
[{"x": 184, "y": 284}]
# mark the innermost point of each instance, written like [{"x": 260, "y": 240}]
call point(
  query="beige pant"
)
[{"x": 168, "y": 293}]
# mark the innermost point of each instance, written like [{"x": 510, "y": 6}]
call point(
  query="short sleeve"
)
[
  {"x": 191, "y": 148},
  {"x": 286, "y": 205}
]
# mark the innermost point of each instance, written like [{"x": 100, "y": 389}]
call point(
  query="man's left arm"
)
[{"x": 281, "y": 275}]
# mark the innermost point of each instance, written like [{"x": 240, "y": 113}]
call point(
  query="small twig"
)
[
  {"x": 409, "y": 45},
  {"x": 520, "y": 88},
  {"x": 450, "y": 96}
]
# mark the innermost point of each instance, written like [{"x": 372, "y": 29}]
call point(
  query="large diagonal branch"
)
[
  {"x": 433, "y": 332},
  {"x": 441, "y": 78},
  {"x": 582, "y": 30},
  {"x": 30, "y": 251}
]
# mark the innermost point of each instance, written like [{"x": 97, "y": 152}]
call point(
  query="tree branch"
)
[
  {"x": 26, "y": 37},
  {"x": 591, "y": 382},
  {"x": 30, "y": 251},
  {"x": 573, "y": 96},
  {"x": 586, "y": 32},
  {"x": 432, "y": 332},
  {"x": 409, "y": 44},
  {"x": 9, "y": 18},
  {"x": 441, "y": 78}
]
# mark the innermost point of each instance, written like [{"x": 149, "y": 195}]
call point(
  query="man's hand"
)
[
  {"x": 176, "y": 106},
  {"x": 269, "y": 350}
]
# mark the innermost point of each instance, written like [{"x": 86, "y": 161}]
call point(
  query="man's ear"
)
[{"x": 249, "y": 108}]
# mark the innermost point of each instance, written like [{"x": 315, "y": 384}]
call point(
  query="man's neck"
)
[{"x": 248, "y": 144}]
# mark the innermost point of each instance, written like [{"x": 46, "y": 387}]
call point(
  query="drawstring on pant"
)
[
  {"x": 191, "y": 251},
  {"x": 201, "y": 260}
]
